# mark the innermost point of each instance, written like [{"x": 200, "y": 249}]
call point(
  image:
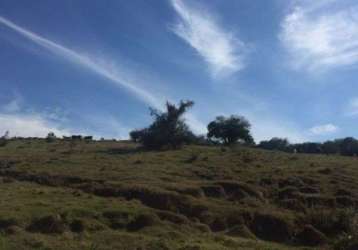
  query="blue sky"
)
[{"x": 94, "y": 67}]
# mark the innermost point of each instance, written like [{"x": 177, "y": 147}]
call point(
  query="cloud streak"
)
[
  {"x": 120, "y": 77},
  {"x": 220, "y": 49},
  {"x": 320, "y": 35},
  {"x": 99, "y": 67}
]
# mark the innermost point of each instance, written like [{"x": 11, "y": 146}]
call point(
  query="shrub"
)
[
  {"x": 168, "y": 128},
  {"x": 51, "y": 137},
  {"x": 3, "y": 142}
]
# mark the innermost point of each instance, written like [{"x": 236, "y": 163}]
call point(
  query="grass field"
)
[{"x": 112, "y": 195}]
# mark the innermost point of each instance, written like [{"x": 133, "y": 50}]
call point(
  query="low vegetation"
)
[
  {"x": 115, "y": 195},
  {"x": 170, "y": 189}
]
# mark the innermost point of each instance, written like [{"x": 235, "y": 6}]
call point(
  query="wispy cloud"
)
[
  {"x": 223, "y": 52},
  {"x": 323, "y": 129},
  {"x": 100, "y": 67},
  {"x": 121, "y": 77},
  {"x": 321, "y": 34}
]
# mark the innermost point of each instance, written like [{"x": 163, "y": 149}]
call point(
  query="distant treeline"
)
[
  {"x": 345, "y": 146},
  {"x": 169, "y": 130}
]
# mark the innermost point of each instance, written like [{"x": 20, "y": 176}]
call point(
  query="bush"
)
[
  {"x": 168, "y": 128},
  {"x": 51, "y": 137},
  {"x": 3, "y": 142}
]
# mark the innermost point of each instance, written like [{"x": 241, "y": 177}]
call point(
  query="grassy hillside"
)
[{"x": 111, "y": 195}]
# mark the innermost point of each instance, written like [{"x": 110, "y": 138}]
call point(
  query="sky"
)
[{"x": 95, "y": 67}]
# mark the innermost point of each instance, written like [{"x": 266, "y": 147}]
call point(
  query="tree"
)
[
  {"x": 51, "y": 137},
  {"x": 136, "y": 135},
  {"x": 331, "y": 147},
  {"x": 309, "y": 147},
  {"x": 4, "y": 139},
  {"x": 349, "y": 146},
  {"x": 168, "y": 128},
  {"x": 230, "y": 130},
  {"x": 275, "y": 143}
]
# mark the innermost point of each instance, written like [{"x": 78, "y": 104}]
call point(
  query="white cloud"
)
[
  {"x": 28, "y": 125},
  {"x": 267, "y": 128},
  {"x": 323, "y": 129},
  {"x": 219, "y": 48},
  {"x": 321, "y": 34}
]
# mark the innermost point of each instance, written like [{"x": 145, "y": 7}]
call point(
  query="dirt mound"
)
[
  {"x": 215, "y": 191},
  {"x": 291, "y": 181},
  {"x": 77, "y": 226},
  {"x": 288, "y": 193},
  {"x": 172, "y": 217},
  {"x": 7, "y": 223},
  {"x": 117, "y": 219},
  {"x": 51, "y": 224},
  {"x": 272, "y": 227},
  {"x": 313, "y": 200},
  {"x": 238, "y": 190},
  {"x": 310, "y": 236},
  {"x": 192, "y": 191},
  {"x": 292, "y": 204},
  {"x": 346, "y": 201},
  {"x": 218, "y": 224},
  {"x": 240, "y": 231},
  {"x": 310, "y": 190},
  {"x": 141, "y": 221},
  {"x": 343, "y": 192}
]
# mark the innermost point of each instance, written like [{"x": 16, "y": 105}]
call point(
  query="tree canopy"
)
[{"x": 230, "y": 130}]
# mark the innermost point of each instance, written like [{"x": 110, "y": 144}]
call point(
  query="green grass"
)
[{"x": 125, "y": 198}]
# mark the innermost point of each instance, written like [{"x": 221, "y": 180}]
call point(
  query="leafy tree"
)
[
  {"x": 309, "y": 148},
  {"x": 51, "y": 137},
  {"x": 275, "y": 143},
  {"x": 229, "y": 130},
  {"x": 331, "y": 147},
  {"x": 136, "y": 135},
  {"x": 168, "y": 128},
  {"x": 4, "y": 139},
  {"x": 349, "y": 146}
]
